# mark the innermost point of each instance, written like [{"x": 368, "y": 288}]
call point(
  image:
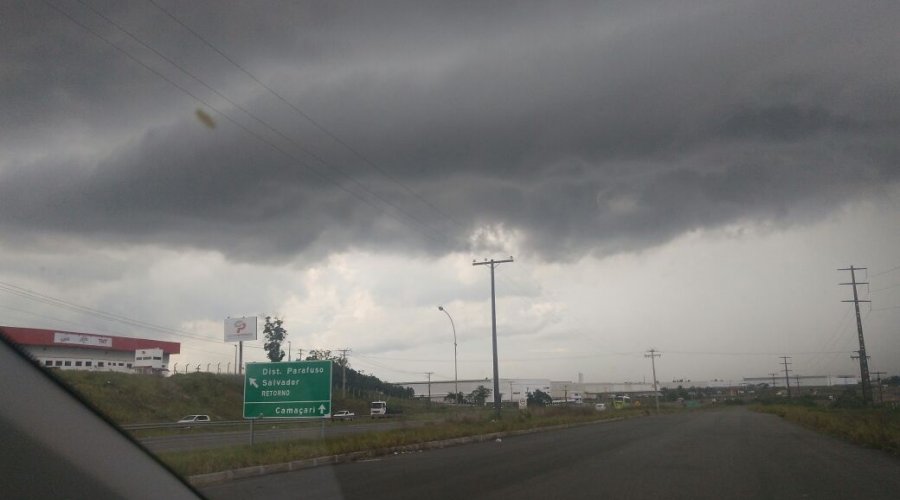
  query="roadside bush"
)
[
  {"x": 873, "y": 427},
  {"x": 848, "y": 400}
]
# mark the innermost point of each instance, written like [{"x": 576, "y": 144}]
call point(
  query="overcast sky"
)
[{"x": 684, "y": 176}]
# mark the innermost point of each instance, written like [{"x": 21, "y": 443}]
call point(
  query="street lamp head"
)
[{"x": 440, "y": 308}]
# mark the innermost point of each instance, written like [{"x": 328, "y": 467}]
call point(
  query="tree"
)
[
  {"x": 479, "y": 395},
  {"x": 539, "y": 398},
  {"x": 455, "y": 397},
  {"x": 319, "y": 355},
  {"x": 274, "y": 334}
]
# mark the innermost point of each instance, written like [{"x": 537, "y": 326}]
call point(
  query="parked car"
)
[
  {"x": 600, "y": 406},
  {"x": 343, "y": 415},
  {"x": 194, "y": 419}
]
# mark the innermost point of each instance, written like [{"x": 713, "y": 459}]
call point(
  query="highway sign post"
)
[{"x": 301, "y": 389}]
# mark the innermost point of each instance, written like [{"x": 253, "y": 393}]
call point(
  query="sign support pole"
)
[{"x": 240, "y": 357}]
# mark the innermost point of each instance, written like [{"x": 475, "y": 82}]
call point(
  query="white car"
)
[{"x": 194, "y": 419}]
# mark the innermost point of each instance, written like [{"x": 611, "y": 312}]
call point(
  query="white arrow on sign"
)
[
  {"x": 322, "y": 409},
  {"x": 253, "y": 383}
]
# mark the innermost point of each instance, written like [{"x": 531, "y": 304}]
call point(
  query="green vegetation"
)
[
  {"x": 539, "y": 398},
  {"x": 129, "y": 398},
  {"x": 383, "y": 442},
  {"x": 274, "y": 333},
  {"x": 873, "y": 427}
]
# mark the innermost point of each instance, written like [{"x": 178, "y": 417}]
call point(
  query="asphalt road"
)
[
  {"x": 205, "y": 440},
  {"x": 732, "y": 453}
]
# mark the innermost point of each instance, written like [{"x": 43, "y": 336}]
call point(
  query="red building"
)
[{"x": 89, "y": 351}]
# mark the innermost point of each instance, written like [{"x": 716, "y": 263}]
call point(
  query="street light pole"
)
[{"x": 455, "y": 373}]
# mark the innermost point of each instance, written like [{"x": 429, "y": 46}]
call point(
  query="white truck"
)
[
  {"x": 378, "y": 409},
  {"x": 343, "y": 415}
]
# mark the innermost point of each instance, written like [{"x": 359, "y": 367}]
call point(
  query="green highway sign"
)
[{"x": 301, "y": 389}]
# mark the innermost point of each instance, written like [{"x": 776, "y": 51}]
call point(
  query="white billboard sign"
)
[
  {"x": 81, "y": 339},
  {"x": 240, "y": 329}
]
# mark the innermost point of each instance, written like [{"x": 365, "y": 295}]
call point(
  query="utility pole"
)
[
  {"x": 787, "y": 380},
  {"x": 343, "y": 371},
  {"x": 880, "y": 389},
  {"x": 653, "y": 354},
  {"x": 797, "y": 378},
  {"x": 299, "y": 354},
  {"x": 429, "y": 386},
  {"x": 773, "y": 379},
  {"x": 494, "y": 263},
  {"x": 289, "y": 351},
  {"x": 863, "y": 359}
]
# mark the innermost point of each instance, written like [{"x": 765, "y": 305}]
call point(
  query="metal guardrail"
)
[{"x": 175, "y": 425}]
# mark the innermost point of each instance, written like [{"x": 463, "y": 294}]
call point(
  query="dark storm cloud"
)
[{"x": 583, "y": 127}]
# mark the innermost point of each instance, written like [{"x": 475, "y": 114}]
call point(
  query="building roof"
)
[{"x": 61, "y": 338}]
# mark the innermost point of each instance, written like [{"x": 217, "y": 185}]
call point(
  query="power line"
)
[
  {"x": 56, "y": 302},
  {"x": 882, "y": 273},
  {"x": 255, "y": 117},
  {"x": 375, "y": 364},
  {"x": 253, "y": 134},
  {"x": 708, "y": 353},
  {"x": 885, "y": 288},
  {"x": 46, "y": 316},
  {"x": 305, "y": 115},
  {"x": 834, "y": 338}
]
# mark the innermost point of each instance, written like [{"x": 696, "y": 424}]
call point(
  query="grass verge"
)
[
  {"x": 873, "y": 427},
  {"x": 376, "y": 443}
]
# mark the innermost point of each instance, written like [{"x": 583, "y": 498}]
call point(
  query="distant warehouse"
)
[{"x": 88, "y": 351}]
